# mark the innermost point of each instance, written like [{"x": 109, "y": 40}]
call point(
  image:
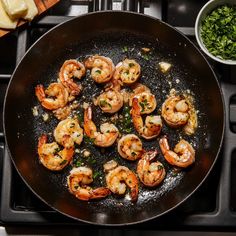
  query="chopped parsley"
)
[
  {"x": 80, "y": 117},
  {"x": 125, "y": 49},
  {"x": 88, "y": 140},
  {"x": 91, "y": 160},
  {"x": 146, "y": 57},
  {"x": 98, "y": 71},
  {"x": 159, "y": 167},
  {"x": 143, "y": 104},
  {"x": 126, "y": 119},
  {"x": 97, "y": 174},
  {"x": 56, "y": 150},
  {"x": 72, "y": 125},
  {"x": 63, "y": 162},
  {"x": 104, "y": 103},
  {"x": 218, "y": 32},
  {"x": 78, "y": 163},
  {"x": 131, "y": 64}
]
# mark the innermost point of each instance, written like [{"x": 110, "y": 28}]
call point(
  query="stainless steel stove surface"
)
[{"x": 211, "y": 206}]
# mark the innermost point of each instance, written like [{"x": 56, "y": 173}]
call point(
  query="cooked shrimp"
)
[
  {"x": 150, "y": 173},
  {"x": 110, "y": 101},
  {"x": 130, "y": 147},
  {"x": 183, "y": 154},
  {"x": 106, "y": 137},
  {"x": 51, "y": 156},
  {"x": 175, "y": 111},
  {"x": 153, "y": 124},
  {"x": 146, "y": 100},
  {"x": 78, "y": 181},
  {"x": 68, "y": 132},
  {"x": 139, "y": 88},
  {"x": 120, "y": 177},
  {"x": 113, "y": 84},
  {"x": 110, "y": 165},
  {"x": 64, "y": 112},
  {"x": 54, "y": 97},
  {"x": 192, "y": 123},
  {"x": 128, "y": 71},
  {"x": 102, "y": 68},
  {"x": 72, "y": 69}
]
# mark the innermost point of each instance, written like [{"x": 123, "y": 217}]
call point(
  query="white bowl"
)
[{"x": 206, "y": 9}]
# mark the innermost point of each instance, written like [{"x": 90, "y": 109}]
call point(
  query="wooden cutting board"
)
[{"x": 42, "y": 6}]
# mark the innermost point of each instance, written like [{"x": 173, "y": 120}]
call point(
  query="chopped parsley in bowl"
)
[{"x": 216, "y": 31}]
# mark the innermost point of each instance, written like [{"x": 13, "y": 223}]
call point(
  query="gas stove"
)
[{"x": 212, "y": 206}]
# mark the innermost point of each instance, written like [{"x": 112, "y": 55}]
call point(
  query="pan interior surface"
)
[{"x": 110, "y": 37}]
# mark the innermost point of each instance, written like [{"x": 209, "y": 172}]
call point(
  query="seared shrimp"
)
[
  {"x": 71, "y": 69},
  {"x": 68, "y": 132},
  {"x": 175, "y": 111},
  {"x": 51, "y": 156},
  {"x": 146, "y": 100},
  {"x": 150, "y": 173},
  {"x": 150, "y": 99},
  {"x": 153, "y": 124},
  {"x": 130, "y": 147},
  {"x": 78, "y": 181},
  {"x": 192, "y": 123},
  {"x": 106, "y": 137},
  {"x": 183, "y": 154},
  {"x": 120, "y": 177},
  {"x": 54, "y": 97},
  {"x": 110, "y": 165},
  {"x": 102, "y": 68},
  {"x": 139, "y": 88},
  {"x": 110, "y": 101},
  {"x": 128, "y": 71}
]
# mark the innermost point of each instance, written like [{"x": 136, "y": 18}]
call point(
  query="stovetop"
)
[{"x": 211, "y": 206}]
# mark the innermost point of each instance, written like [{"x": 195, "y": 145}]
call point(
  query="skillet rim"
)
[{"x": 195, "y": 48}]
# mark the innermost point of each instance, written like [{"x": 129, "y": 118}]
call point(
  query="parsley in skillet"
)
[{"x": 218, "y": 32}]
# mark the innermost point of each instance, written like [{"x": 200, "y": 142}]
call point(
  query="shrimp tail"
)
[
  {"x": 134, "y": 194},
  {"x": 39, "y": 92},
  {"x": 89, "y": 128},
  {"x": 74, "y": 88},
  {"x": 101, "y": 192},
  {"x": 136, "y": 117},
  {"x": 164, "y": 145},
  {"x": 136, "y": 108},
  {"x": 42, "y": 140}
]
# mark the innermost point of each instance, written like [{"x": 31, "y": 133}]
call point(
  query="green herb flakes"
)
[
  {"x": 125, "y": 49},
  {"x": 98, "y": 72},
  {"x": 97, "y": 175},
  {"x": 127, "y": 120},
  {"x": 104, "y": 103},
  {"x": 218, "y": 32},
  {"x": 146, "y": 57},
  {"x": 56, "y": 150},
  {"x": 63, "y": 162},
  {"x": 80, "y": 117},
  {"x": 131, "y": 64},
  {"x": 78, "y": 163},
  {"x": 88, "y": 140}
]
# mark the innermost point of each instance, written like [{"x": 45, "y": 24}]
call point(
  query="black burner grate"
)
[{"x": 212, "y": 205}]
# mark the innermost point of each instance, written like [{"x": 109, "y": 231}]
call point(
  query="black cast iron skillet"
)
[{"x": 117, "y": 35}]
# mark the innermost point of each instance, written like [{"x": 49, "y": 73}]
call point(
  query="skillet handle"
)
[{"x": 228, "y": 90}]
